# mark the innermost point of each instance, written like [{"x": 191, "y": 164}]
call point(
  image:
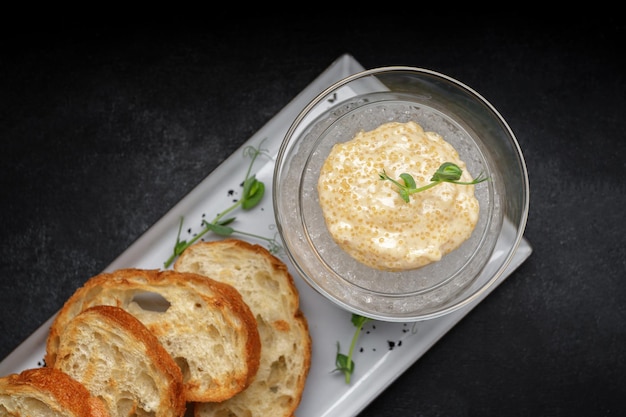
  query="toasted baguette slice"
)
[
  {"x": 204, "y": 324},
  {"x": 47, "y": 392},
  {"x": 268, "y": 288},
  {"x": 120, "y": 361}
]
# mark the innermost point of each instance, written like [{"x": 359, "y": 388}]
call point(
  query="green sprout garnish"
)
[
  {"x": 344, "y": 363},
  {"x": 447, "y": 172},
  {"x": 253, "y": 192}
]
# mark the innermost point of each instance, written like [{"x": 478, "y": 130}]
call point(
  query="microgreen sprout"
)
[
  {"x": 447, "y": 172},
  {"x": 253, "y": 192},
  {"x": 344, "y": 363}
]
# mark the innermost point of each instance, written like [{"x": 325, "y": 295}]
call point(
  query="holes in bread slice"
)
[
  {"x": 151, "y": 301},
  {"x": 183, "y": 364},
  {"x": 278, "y": 372}
]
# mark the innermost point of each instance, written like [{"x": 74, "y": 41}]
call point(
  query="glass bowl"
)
[{"x": 438, "y": 103}]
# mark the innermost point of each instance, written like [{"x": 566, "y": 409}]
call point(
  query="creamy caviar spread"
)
[{"x": 367, "y": 217}]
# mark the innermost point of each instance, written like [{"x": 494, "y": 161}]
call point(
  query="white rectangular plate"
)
[{"x": 384, "y": 350}]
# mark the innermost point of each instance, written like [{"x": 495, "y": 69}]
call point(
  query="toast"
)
[
  {"x": 119, "y": 360},
  {"x": 204, "y": 324},
  {"x": 47, "y": 392},
  {"x": 268, "y": 288}
]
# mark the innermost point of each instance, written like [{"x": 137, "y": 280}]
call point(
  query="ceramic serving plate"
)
[{"x": 385, "y": 349}]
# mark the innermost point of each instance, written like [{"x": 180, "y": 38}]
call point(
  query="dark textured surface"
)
[{"x": 103, "y": 131}]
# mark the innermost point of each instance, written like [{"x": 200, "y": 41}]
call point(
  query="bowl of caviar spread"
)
[{"x": 404, "y": 199}]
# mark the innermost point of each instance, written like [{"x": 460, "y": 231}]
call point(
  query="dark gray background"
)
[{"x": 104, "y": 130}]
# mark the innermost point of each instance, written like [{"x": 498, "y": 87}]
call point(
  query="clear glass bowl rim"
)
[{"x": 524, "y": 209}]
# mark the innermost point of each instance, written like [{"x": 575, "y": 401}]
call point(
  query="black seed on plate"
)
[
  {"x": 231, "y": 192},
  {"x": 399, "y": 343},
  {"x": 391, "y": 344},
  {"x": 361, "y": 350}
]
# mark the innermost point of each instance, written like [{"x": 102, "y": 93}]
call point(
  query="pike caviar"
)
[{"x": 367, "y": 217}]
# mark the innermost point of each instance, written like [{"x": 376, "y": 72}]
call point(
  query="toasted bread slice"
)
[
  {"x": 120, "y": 361},
  {"x": 204, "y": 324},
  {"x": 47, "y": 392},
  {"x": 268, "y": 288}
]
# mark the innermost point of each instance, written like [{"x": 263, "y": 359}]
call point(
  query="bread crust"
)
[
  {"x": 231, "y": 275},
  {"x": 197, "y": 306},
  {"x": 59, "y": 391},
  {"x": 267, "y": 286},
  {"x": 141, "y": 349}
]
